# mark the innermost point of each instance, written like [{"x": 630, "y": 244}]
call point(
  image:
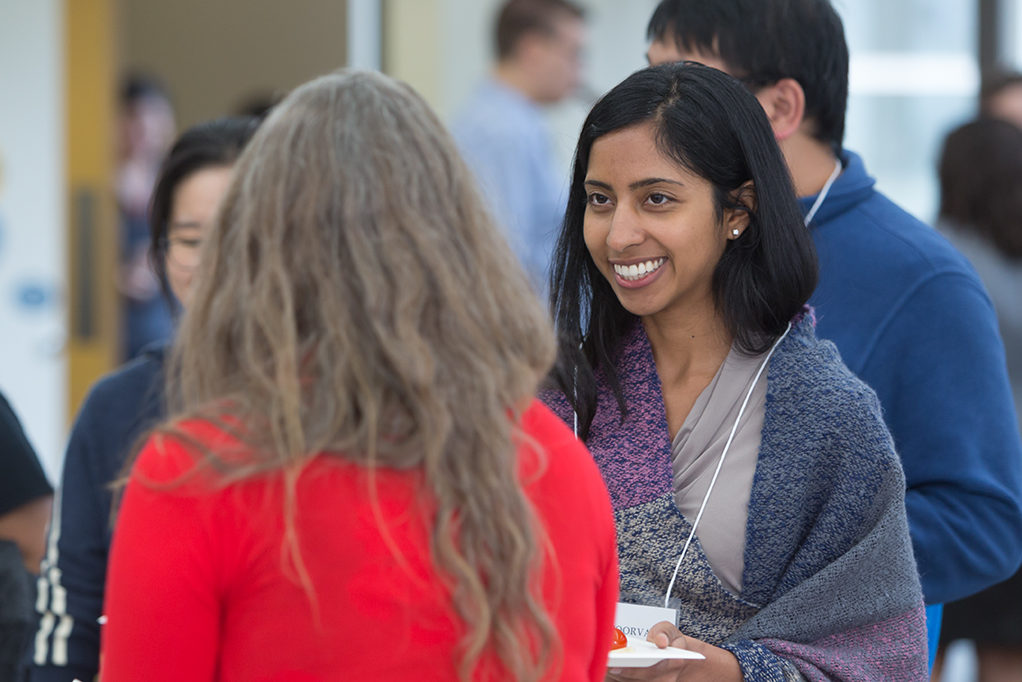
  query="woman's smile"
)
[{"x": 635, "y": 275}]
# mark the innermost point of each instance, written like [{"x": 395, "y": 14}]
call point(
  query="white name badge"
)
[{"x": 635, "y": 620}]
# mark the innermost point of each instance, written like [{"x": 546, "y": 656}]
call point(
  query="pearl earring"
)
[{"x": 735, "y": 232}]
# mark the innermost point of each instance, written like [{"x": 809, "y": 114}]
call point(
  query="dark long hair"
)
[
  {"x": 205, "y": 145},
  {"x": 710, "y": 125},
  {"x": 981, "y": 183}
]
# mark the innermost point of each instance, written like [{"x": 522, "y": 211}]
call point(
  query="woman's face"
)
[
  {"x": 192, "y": 210},
  {"x": 651, "y": 227}
]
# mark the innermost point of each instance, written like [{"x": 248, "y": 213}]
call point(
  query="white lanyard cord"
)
[
  {"x": 720, "y": 463},
  {"x": 575, "y": 413},
  {"x": 823, "y": 193},
  {"x": 574, "y": 391}
]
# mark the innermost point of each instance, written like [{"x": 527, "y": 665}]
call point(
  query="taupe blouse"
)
[{"x": 696, "y": 450}]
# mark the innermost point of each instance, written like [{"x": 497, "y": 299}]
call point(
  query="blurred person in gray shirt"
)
[{"x": 502, "y": 132}]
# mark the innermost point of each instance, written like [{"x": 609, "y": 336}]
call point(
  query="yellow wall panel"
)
[{"x": 90, "y": 30}]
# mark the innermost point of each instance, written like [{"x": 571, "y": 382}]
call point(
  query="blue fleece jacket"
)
[
  {"x": 911, "y": 319},
  {"x": 119, "y": 409}
]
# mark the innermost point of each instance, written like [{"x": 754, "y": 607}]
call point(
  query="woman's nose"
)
[{"x": 625, "y": 230}]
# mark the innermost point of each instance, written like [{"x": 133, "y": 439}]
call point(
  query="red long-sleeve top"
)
[{"x": 200, "y": 586}]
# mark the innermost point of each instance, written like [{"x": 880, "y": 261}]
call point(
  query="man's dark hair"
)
[
  {"x": 710, "y": 125},
  {"x": 763, "y": 41},
  {"x": 521, "y": 17}
]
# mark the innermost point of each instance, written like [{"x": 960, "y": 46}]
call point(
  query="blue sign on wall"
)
[{"x": 32, "y": 296}]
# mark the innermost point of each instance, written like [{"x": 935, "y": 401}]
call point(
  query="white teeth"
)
[{"x": 639, "y": 270}]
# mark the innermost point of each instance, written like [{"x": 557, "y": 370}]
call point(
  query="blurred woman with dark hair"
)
[{"x": 690, "y": 367}]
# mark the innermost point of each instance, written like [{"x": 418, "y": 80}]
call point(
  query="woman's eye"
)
[
  {"x": 597, "y": 199},
  {"x": 658, "y": 199}
]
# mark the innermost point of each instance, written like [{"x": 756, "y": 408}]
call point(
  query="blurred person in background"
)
[
  {"x": 905, "y": 310},
  {"x": 146, "y": 130},
  {"x": 123, "y": 406},
  {"x": 25, "y": 497},
  {"x": 679, "y": 288},
  {"x": 502, "y": 131},
  {"x": 356, "y": 481},
  {"x": 1001, "y": 97},
  {"x": 981, "y": 213}
]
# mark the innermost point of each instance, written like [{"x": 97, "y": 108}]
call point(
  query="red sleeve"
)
[
  {"x": 576, "y": 498},
  {"x": 162, "y": 603}
]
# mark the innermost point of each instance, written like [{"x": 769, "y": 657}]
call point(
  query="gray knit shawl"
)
[{"x": 829, "y": 574}]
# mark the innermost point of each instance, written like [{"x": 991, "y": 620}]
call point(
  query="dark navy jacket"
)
[
  {"x": 118, "y": 411},
  {"x": 911, "y": 319}
]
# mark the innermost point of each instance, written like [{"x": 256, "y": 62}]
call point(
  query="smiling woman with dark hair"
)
[{"x": 759, "y": 501}]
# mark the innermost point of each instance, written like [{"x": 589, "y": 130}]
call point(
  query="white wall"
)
[
  {"x": 32, "y": 254},
  {"x": 1011, "y": 34},
  {"x": 913, "y": 76}
]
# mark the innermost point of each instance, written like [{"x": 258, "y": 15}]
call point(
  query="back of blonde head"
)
[{"x": 355, "y": 297}]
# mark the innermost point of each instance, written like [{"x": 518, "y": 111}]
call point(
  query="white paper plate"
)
[{"x": 641, "y": 654}]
